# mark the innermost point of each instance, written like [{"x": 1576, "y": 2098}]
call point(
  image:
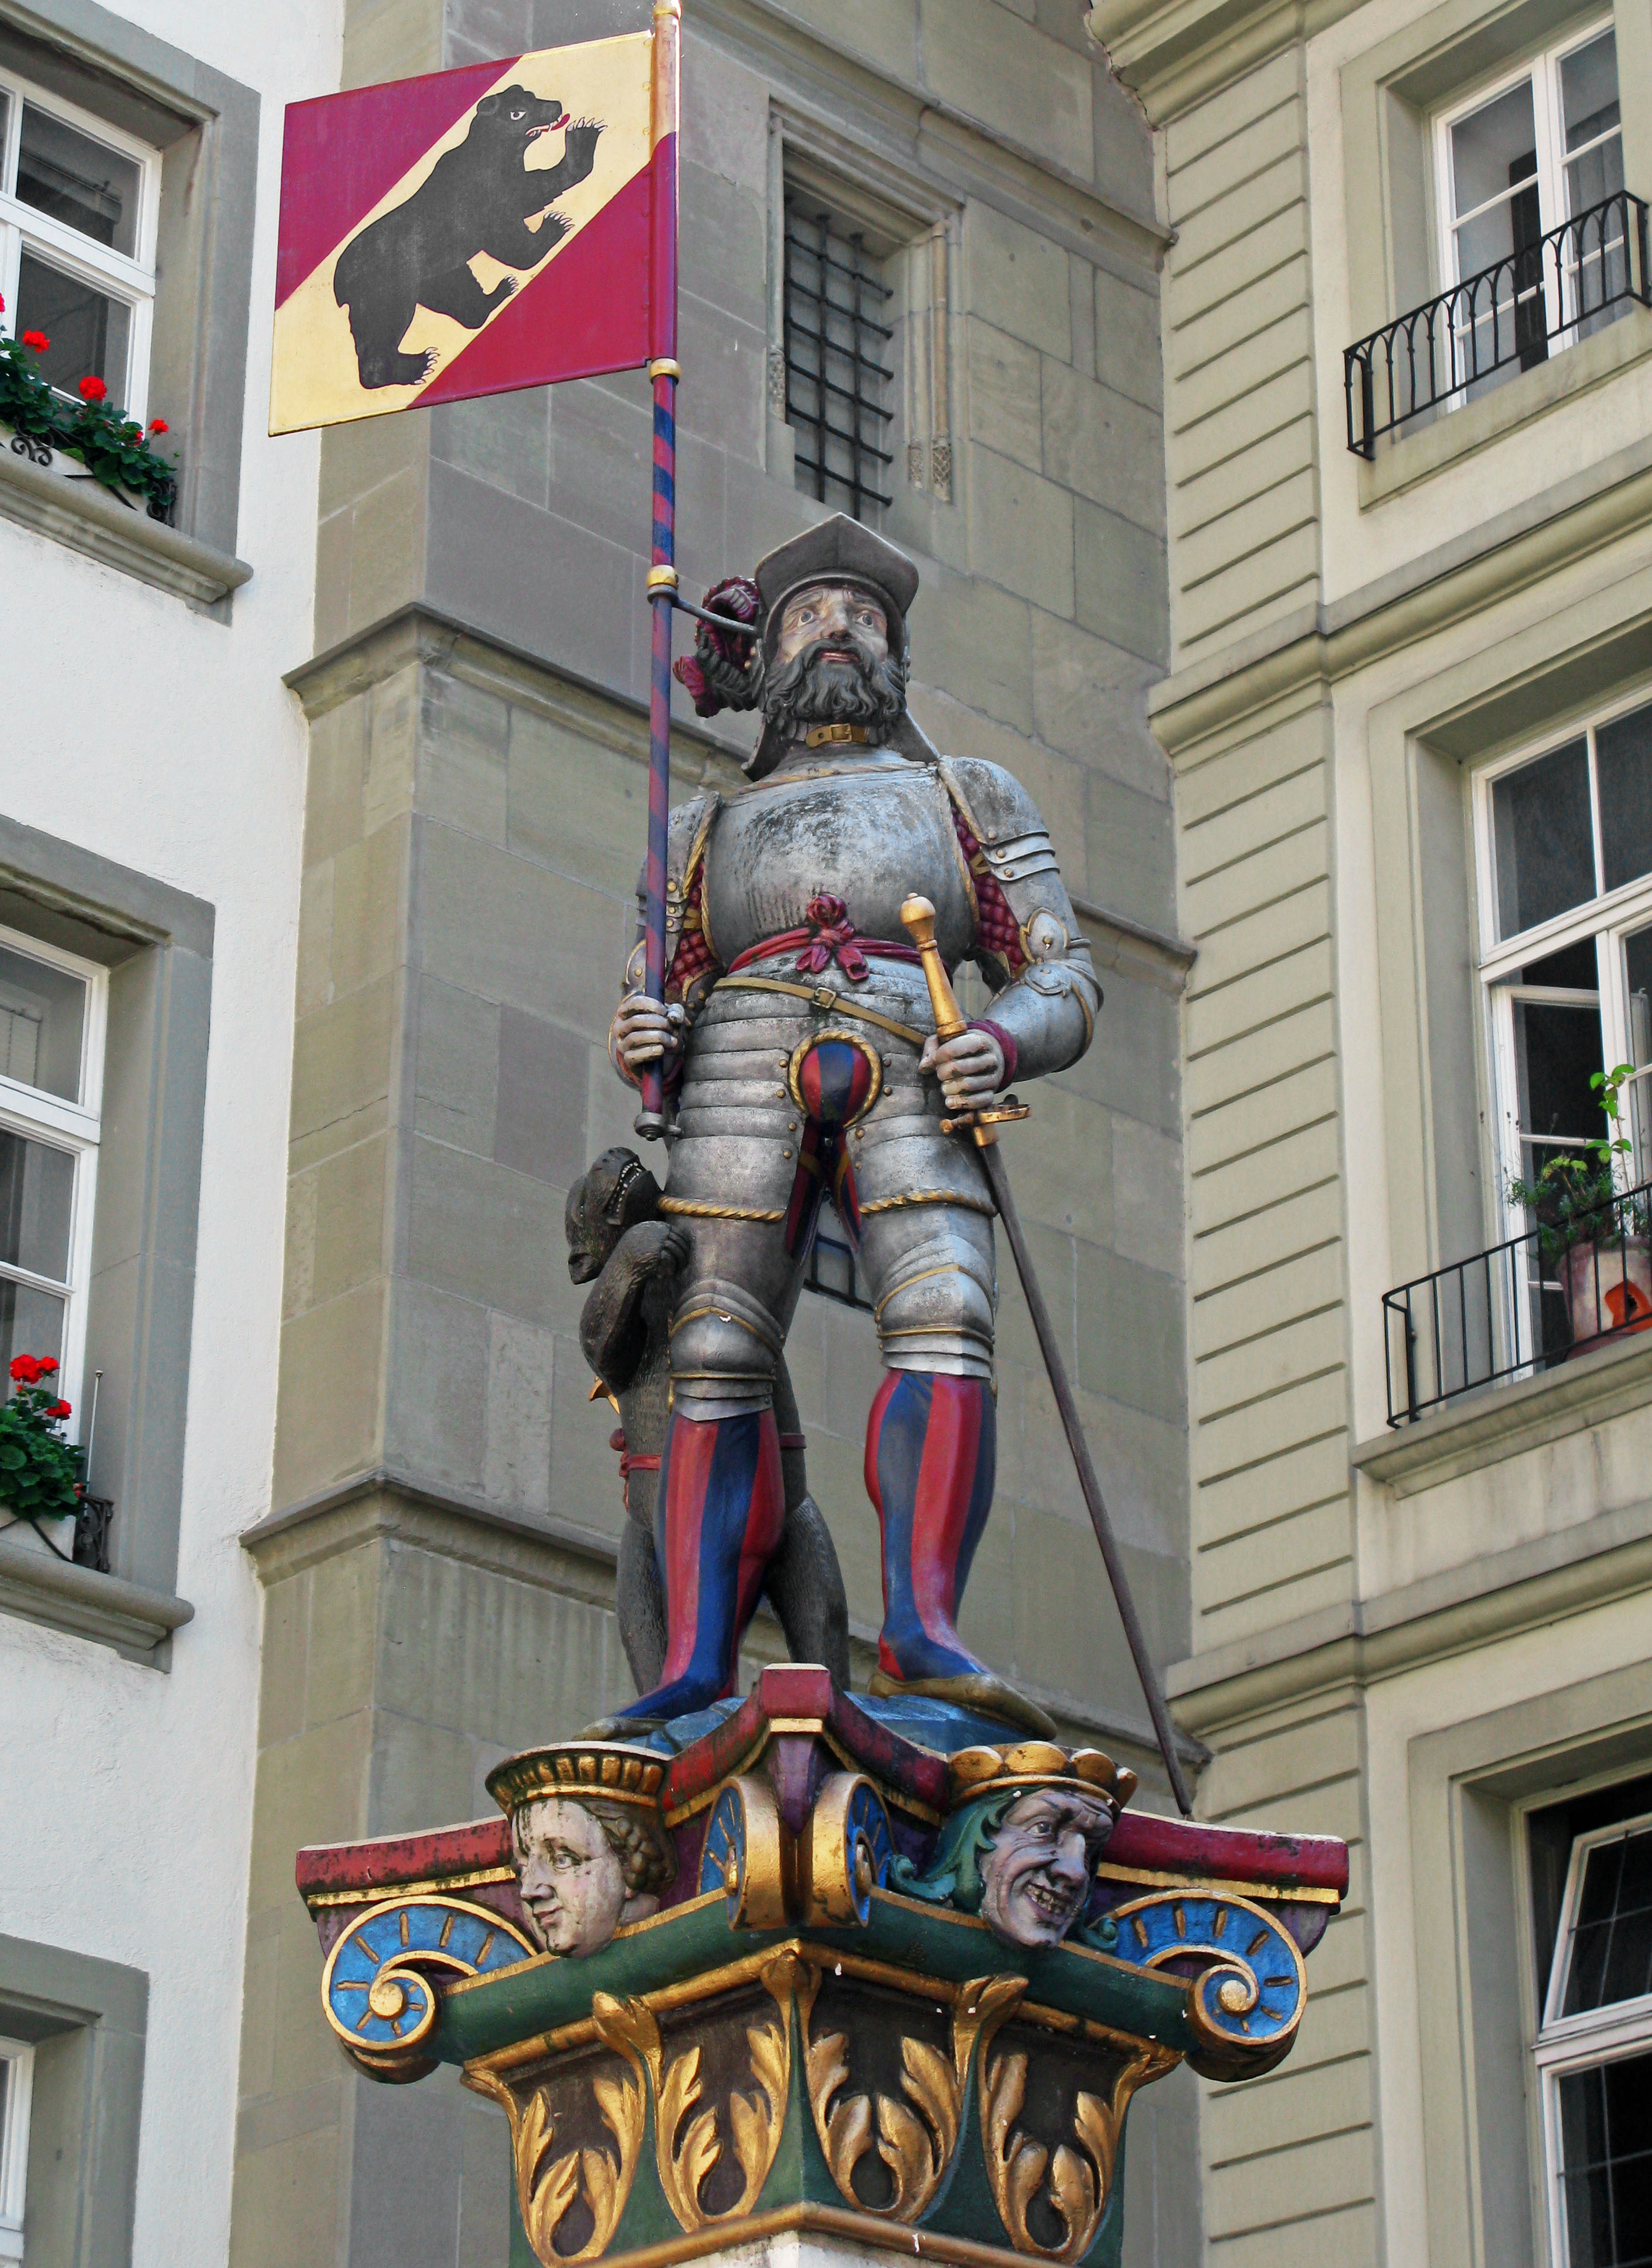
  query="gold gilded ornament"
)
[
  {"x": 1080, "y": 2181},
  {"x": 545, "y": 2191},
  {"x": 756, "y": 2122}
]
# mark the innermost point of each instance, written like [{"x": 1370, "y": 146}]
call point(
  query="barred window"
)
[
  {"x": 839, "y": 358},
  {"x": 832, "y": 1270}
]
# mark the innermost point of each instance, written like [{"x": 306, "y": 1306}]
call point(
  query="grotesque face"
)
[
  {"x": 831, "y": 662},
  {"x": 1036, "y": 1876},
  {"x": 573, "y": 1884}
]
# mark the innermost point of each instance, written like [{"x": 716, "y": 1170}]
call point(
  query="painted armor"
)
[{"x": 805, "y": 1013}]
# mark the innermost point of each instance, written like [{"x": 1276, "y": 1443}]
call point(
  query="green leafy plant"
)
[
  {"x": 113, "y": 448},
  {"x": 40, "y": 1473},
  {"x": 1576, "y": 1198}
]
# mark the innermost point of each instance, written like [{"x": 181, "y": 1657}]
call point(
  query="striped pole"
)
[{"x": 662, "y": 574}]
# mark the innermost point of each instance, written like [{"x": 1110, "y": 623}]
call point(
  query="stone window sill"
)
[
  {"x": 77, "y": 513},
  {"x": 1484, "y": 1428},
  {"x": 1399, "y": 464},
  {"x": 135, "y": 1622}
]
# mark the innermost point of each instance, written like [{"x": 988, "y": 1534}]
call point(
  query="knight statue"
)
[{"x": 800, "y": 1052}]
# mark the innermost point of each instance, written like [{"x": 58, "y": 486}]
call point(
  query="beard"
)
[{"x": 817, "y": 687}]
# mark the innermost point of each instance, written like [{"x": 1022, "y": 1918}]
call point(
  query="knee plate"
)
[
  {"x": 937, "y": 1315},
  {"x": 724, "y": 1347}
]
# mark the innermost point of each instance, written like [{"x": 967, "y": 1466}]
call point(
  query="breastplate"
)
[{"x": 871, "y": 834}]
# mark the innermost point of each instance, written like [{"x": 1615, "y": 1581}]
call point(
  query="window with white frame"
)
[
  {"x": 52, "y": 1011},
  {"x": 1537, "y": 149},
  {"x": 79, "y": 209},
  {"x": 17, "y": 2086},
  {"x": 1592, "y": 1911},
  {"x": 1565, "y": 847}
]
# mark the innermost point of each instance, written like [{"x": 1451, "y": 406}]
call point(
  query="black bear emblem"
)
[{"x": 478, "y": 197}]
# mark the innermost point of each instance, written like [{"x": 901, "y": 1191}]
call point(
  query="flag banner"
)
[{"x": 468, "y": 232}]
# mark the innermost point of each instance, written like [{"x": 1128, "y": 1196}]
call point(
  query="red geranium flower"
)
[
  {"x": 158, "y": 425},
  {"x": 60, "y": 1409},
  {"x": 25, "y": 1370},
  {"x": 38, "y": 340},
  {"x": 46, "y": 1366},
  {"x": 92, "y": 389}
]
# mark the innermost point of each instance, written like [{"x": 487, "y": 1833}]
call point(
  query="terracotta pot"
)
[{"x": 1608, "y": 1290}]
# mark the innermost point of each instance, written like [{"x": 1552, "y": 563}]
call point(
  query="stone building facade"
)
[
  {"x": 1407, "y": 716},
  {"x": 436, "y": 1557}
]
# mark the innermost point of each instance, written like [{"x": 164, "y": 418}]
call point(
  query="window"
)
[
  {"x": 838, "y": 342},
  {"x": 1566, "y": 949},
  {"x": 1592, "y": 1899},
  {"x": 1543, "y": 149},
  {"x": 79, "y": 204},
  {"x": 832, "y": 1269},
  {"x": 16, "y": 2080},
  {"x": 52, "y": 1008}
]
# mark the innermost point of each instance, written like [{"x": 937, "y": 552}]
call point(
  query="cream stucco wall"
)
[{"x": 164, "y": 740}]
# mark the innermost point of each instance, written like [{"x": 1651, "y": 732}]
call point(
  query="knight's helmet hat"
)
[{"x": 839, "y": 550}]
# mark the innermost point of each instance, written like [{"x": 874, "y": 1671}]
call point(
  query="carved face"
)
[
  {"x": 572, "y": 1882},
  {"x": 1036, "y": 1876},
  {"x": 836, "y": 621},
  {"x": 831, "y": 662}
]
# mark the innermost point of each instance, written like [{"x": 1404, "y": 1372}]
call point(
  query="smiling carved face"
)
[
  {"x": 1036, "y": 1876},
  {"x": 572, "y": 1882},
  {"x": 833, "y": 621}
]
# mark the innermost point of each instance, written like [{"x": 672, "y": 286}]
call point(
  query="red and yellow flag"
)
[{"x": 468, "y": 232}]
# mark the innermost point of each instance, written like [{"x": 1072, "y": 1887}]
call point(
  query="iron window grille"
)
[
  {"x": 1519, "y": 1307},
  {"x": 838, "y": 358},
  {"x": 1566, "y": 285}
]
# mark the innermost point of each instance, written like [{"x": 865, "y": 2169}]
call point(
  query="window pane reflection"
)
[
  {"x": 1544, "y": 838},
  {"x": 90, "y": 332},
  {"x": 31, "y": 1323},
  {"x": 1557, "y": 1050},
  {"x": 42, "y": 1022},
  {"x": 81, "y": 182},
  {"x": 37, "y": 1187},
  {"x": 1611, "y": 1937},
  {"x": 1607, "y": 2162},
  {"x": 1623, "y": 757}
]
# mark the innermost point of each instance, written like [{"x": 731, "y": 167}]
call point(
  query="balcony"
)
[
  {"x": 1523, "y": 1307},
  {"x": 1510, "y": 317}
]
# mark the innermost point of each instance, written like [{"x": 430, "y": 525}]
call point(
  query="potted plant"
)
[
  {"x": 1597, "y": 1236},
  {"x": 114, "y": 449},
  {"x": 41, "y": 1479}
]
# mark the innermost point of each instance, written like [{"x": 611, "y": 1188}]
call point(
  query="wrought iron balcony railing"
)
[
  {"x": 1542, "y": 299},
  {"x": 1562, "y": 1289}
]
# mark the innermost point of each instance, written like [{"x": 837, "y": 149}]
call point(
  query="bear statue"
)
[
  {"x": 620, "y": 1244},
  {"x": 479, "y": 197}
]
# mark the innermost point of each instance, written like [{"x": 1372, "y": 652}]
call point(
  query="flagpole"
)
[{"x": 661, "y": 575}]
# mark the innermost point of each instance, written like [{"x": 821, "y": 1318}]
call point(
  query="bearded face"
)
[
  {"x": 832, "y": 663},
  {"x": 1036, "y": 1876}
]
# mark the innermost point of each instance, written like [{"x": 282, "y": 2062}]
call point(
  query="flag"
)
[{"x": 468, "y": 232}]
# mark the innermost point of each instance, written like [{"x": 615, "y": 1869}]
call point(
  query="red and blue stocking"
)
[
  {"x": 722, "y": 1503},
  {"x": 931, "y": 1450}
]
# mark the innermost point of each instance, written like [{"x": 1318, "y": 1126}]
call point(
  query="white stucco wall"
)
[{"x": 155, "y": 737}]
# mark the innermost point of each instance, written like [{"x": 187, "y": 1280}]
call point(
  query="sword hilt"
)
[{"x": 917, "y": 918}]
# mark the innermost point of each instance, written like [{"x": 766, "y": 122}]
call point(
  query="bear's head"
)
[{"x": 515, "y": 115}]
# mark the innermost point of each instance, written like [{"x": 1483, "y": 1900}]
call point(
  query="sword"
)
[{"x": 917, "y": 916}]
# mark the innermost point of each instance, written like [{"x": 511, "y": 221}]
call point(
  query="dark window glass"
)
[
  {"x": 90, "y": 332},
  {"x": 1612, "y": 1934},
  {"x": 1545, "y": 840},
  {"x": 1574, "y": 968},
  {"x": 1623, "y": 758},
  {"x": 89, "y": 188},
  {"x": 1606, "y": 2163},
  {"x": 1551, "y": 1833},
  {"x": 1557, "y": 1051},
  {"x": 838, "y": 358}
]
